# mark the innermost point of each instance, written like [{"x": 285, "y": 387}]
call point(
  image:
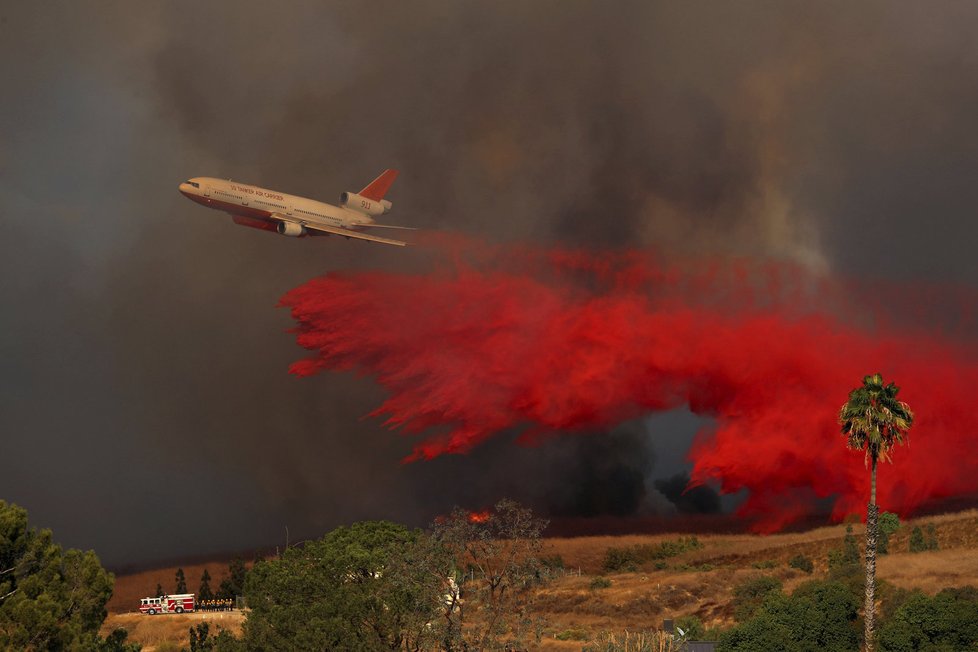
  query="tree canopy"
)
[
  {"x": 50, "y": 599},
  {"x": 369, "y": 586},
  {"x": 819, "y": 616},
  {"x": 874, "y": 419}
]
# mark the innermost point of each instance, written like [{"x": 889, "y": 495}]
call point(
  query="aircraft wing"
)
[
  {"x": 346, "y": 233},
  {"x": 390, "y": 226}
]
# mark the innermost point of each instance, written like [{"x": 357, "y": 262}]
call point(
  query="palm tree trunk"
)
[{"x": 872, "y": 522}]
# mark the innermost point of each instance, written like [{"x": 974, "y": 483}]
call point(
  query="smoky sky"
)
[{"x": 145, "y": 407}]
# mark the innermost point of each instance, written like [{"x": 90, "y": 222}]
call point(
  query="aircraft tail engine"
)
[{"x": 361, "y": 204}]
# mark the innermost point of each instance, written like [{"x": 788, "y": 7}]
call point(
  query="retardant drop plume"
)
[{"x": 558, "y": 341}]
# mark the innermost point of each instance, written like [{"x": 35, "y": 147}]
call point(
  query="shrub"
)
[
  {"x": 621, "y": 559},
  {"x": 750, "y": 594},
  {"x": 553, "y": 562},
  {"x": 572, "y": 635},
  {"x": 631, "y": 557},
  {"x": 692, "y": 627},
  {"x": 802, "y": 563},
  {"x": 600, "y": 583},
  {"x": 764, "y": 564},
  {"x": 917, "y": 542}
]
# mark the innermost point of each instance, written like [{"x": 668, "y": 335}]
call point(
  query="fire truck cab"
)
[{"x": 168, "y": 604}]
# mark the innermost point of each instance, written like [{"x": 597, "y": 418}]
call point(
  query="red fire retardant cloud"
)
[{"x": 555, "y": 341}]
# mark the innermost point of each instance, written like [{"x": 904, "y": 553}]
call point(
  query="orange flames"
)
[{"x": 479, "y": 517}]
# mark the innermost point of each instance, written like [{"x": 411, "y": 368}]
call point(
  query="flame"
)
[{"x": 479, "y": 517}]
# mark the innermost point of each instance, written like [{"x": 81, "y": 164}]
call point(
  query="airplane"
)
[{"x": 298, "y": 217}]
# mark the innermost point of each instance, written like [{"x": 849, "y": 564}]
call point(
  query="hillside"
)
[{"x": 698, "y": 582}]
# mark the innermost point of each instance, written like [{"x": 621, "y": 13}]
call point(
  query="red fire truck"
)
[{"x": 168, "y": 604}]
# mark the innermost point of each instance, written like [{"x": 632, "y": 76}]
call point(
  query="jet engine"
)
[
  {"x": 361, "y": 204},
  {"x": 291, "y": 229}
]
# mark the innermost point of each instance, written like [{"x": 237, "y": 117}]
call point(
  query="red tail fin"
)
[{"x": 377, "y": 188}]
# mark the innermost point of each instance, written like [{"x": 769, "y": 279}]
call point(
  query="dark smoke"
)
[
  {"x": 607, "y": 475},
  {"x": 137, "y": 330},
  {"x": 699, "y": 499}
]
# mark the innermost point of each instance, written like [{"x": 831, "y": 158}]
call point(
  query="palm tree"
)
[{"x": 874, "y": 421}]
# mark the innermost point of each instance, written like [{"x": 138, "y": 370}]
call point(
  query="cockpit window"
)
[{"x": 193, "y": 183}]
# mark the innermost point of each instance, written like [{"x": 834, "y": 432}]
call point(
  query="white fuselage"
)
[{"x": 253, "y": 206}]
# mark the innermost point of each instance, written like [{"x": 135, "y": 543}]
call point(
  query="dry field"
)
[
  {"x": 698, "y": 582},
  {"x": 173, "y": 629}
]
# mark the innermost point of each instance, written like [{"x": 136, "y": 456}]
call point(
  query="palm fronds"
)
[{"x": 874, "y": 419}]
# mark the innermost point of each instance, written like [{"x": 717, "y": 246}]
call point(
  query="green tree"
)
[
  {"x": 502, "y": 550},
  {"x": 818, "y": 616},
  {"x": 50, "y": 598},
  {"x": 181, "y": 582},
  {"x": 204, "y": 592},
  {"x": 944, "y": 623},
  {"x": 199, "y": 638},
  {"x": 889, "y": 523},
  {"x": 370, "y": 586},
  {"x": 159, "y": 590},
  {"x": 749, "y": 595},
  {"x": 874, "y": 421},
  {"x": 233, "y": 585},
  {"x": 920, "y": 543}
]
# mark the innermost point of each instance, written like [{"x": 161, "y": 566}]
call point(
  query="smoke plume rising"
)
[
  {"x": 558, "y": 341},
  {"x": 137, "y": 334}
]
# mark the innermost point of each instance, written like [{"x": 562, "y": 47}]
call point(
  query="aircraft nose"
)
[{"x": 185, "y": 187}]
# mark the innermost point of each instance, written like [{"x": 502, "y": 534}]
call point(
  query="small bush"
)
[
  {"x": 692, "y": 627},
  {"x": 766, "y": 563},
  {"x": 917, "y": 542},
  {"x": 621, "y": 559},
  {"x": 750, "y": 594},
  {"x": 572, "y": 635},
  {"x": 552, "y": 562},
  {"x": 600, "y": 583},
  {"x": 631, "y": 557},
  {"x": 802, "y": 563}
]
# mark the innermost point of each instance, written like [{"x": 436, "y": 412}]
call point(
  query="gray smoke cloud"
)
[{"x": 145, "y": 408}]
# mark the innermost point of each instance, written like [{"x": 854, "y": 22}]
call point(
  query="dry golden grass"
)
[
  {"x": 639, "y": 601},
  {"x": 152, "y": 631}
]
